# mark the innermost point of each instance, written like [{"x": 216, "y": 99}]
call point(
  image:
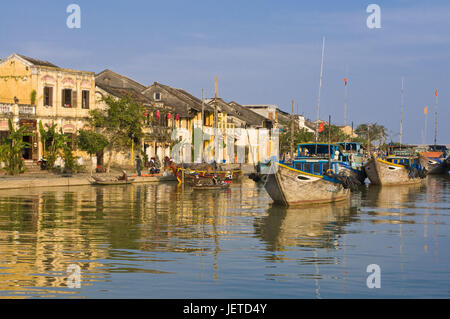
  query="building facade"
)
[{"x": 32, "y": 90}]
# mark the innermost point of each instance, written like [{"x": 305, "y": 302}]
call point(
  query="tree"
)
[
  {"x": 91, "y": 142},
  {"x": 52, "y": 142},
  {"x": 11, "y": 149},
  {"x": 335, "y": 133},
  {"x": 300, "y": 136},
  {"x": 374, "y": 131},
  {"x": 121, "y": 123}
]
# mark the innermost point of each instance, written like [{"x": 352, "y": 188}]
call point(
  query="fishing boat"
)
[
  {"x": 314, "y": 157},
  {"x": 434, "y": 159},
  {"x": 394, "y": 170},
  {"x": 290, "y": 186}
]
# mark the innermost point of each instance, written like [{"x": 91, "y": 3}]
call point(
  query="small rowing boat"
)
[{"x": 111, "y": 182}]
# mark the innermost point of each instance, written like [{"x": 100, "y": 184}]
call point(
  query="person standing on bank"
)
[{"x": 138, "y": 165}]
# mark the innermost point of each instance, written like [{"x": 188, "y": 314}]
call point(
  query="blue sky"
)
[{"x": 264, "y": 52}]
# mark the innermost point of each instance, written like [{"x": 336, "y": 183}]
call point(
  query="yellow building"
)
[{"x": 32, "y": 90}]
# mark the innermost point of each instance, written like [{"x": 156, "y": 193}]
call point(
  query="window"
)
[
  {"x": 85, "y": 99},
  {"x": 66, "y": 98},
  {"x": 158, "y": 96},
  {"x": 48, "y": 96}
]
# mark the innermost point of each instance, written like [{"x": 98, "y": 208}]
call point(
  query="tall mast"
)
[
  {"x": 345, "y": 97},
  {"x": 203, "y": 119},
  {"x": 401, "y": 115},
  {"x": 426, "y": 124},
  {"x": 435, "y": 115},
  {"x": 320, "y": 87},
  {"x": 292, "y": 131}
]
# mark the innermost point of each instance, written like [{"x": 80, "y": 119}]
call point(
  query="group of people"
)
[{"x": 153, "y": 165}]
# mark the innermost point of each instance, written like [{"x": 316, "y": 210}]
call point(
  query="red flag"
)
[
  {"x": 436, "y": 93},
  {"x": 321, "y": 127},
  {"x": 345, "y": 81}
]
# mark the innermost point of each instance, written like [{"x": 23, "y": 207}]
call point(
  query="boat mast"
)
[
  {"x": 320, "y": 87},
  {"x": 203, "y": 120},
  {"x": 426, "y": 122},
  {"x": 401, "y": 116},
  {"x": 292, "y": 131},
  {"x": 435, "y": 114}
]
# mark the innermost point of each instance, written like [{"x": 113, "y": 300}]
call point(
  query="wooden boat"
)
[
  {"x": 98, "y": 181},
  {"x": 288, "y": 186},
  {"x": 189, "y": 174},
  {"x": 211, "y": 186},
  {"x": 433, "y": 162},
  {"x": 395, "y": 170},
  {"x": 313, "y": 158}
]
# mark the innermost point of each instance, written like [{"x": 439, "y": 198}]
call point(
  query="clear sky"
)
[{"x": 263, "y": 51}]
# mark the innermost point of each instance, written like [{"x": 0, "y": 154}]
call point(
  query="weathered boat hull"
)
[
  {"x": 381, "y": 172},
  {"x": 359, "y": 175},
  {"x": 289, "y": 187},
  {"x": 433, "y": 166}
]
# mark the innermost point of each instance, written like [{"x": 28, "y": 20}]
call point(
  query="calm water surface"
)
[{"x": 158, "y": 241}]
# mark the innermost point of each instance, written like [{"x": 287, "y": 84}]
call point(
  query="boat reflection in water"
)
[{"x": 317, "y": 226}]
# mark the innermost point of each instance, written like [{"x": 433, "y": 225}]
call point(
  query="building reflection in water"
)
[{"x": 45, "y": 230}]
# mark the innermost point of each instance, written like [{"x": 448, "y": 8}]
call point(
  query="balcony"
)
[{"x": 6, "y": 108}]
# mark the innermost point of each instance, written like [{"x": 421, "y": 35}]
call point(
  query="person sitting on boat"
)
[
  {"x": 124, "y": 176},
  {"x": 228, "y": 177},
  {"x": 216, "y": 179},
  {"x": 197, "y": 179}
]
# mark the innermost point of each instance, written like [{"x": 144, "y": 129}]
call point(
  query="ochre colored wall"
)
[{"x": 15, "y": 80}]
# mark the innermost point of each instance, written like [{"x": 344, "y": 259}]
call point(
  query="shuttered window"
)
[
  {"x": 85, "y": 99},
  {"x": 66, "y": 98},
  {"x": 48, "y": 96}
]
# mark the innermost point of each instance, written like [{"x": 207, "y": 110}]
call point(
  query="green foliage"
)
[
  {"x": 56, "y": 144},
  {"x": 91, "y": 142},
  {"x": 121, "y": 122},
  {"x": 335, "y": 135},
  {"x": 376, "y": 133},
  {"x": 300, "y": 136},
  {"x": 52, "y": 142},
  {"x": 11, "y": 149},
  {"x": 33, "y": 97}
]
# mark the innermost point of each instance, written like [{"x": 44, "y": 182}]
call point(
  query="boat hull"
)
[
  {"x": 289, "y": 187},
  {"x": 381, "y": 172},
  {"x": 433, "y": 166}
]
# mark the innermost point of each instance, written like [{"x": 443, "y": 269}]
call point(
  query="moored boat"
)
[
  {"x": 395, "y": 170},
  {"x": 289, "y": 186},
  {"x": 98, "y": 181},
  {"x": 433, "y": 162}
]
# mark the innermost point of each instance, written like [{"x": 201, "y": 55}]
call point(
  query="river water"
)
[{"x": 162, "y": 241}]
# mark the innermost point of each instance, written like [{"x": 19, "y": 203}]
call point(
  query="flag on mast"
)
[
  {"x": 345, "y": 81},
  {"x": 436, "y": 93},
  {"x": 425, "y": 110}
]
